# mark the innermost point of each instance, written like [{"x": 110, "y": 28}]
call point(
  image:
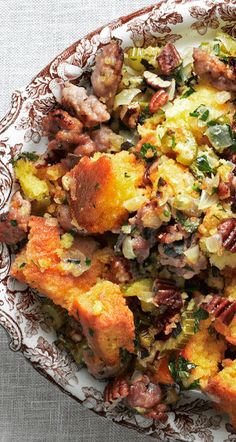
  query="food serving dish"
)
[{"x": 192, "y": 419}]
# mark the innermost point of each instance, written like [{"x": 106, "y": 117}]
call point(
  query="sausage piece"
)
[{"x": 107, "y": 73}]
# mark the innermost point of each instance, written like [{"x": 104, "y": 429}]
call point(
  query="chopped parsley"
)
[
  {"x": 88, "y": 261},
  {"x": 190, "y": 225},
  {"x": 97, "y": 185},
  {"x": 31, "y": 156},
  {"x": 148, "y": 152},
  {"x": 202, "y": 113},
  {"x": 197, "y": 188},
  {"x": 144, "y": 115},
  {"x": 180, "y": 369},
  {"x": 22, "y": 265},
  {"x": 203, "y": 164},
  {"x": 14, "y": 222},
  {"x": 188, "y": 92},
  {"x": 126, "y": 175},
  {"x": 198, "y": 316},
  {"x": 166, "y": 213}
]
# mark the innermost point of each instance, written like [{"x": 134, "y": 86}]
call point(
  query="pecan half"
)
[
  {"x": 115, "y": 391},
  {"x": 168, "y": 59},
  {"x": 158, "y": 100},
  {"x": 167, "y": 294},
  {"x": 221, "y": 308},
  {"x": 227, "y": 229}
]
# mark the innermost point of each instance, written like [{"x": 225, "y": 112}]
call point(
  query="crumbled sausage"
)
[
  {"x": 107, "y": 73},
  {"x": 88, "y": 109},
  {"x": 63, "y": 131},
  {"x": 15, "y": 225},
  {"x": 213, "y": 70}
]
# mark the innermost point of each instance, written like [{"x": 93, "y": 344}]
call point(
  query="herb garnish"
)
[
  {"x": 190, "y": 225},
  {"x": 31, "y": 156},
  {"x": 198, "y": 316},
  {"x": 188, "y": 92},
  {"x": 201, "y": 112},
  {"x": 88, "y": 261},
  {"x": 203, "y": 164},
  {"x": 14, "y": 222},
  {"x": 180, "y": 369},
  {"x": 148, "y": 152}
]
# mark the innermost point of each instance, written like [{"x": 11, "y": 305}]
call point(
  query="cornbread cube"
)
[
  {"x": 107, "y": 322},
  {"x": 103, "y": 190}
]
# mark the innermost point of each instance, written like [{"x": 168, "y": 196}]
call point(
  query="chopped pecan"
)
[
  {"x": 221, "y": 308},
  {"x": 227, "y": 229},
  {"x": 169, "y": 59},
  {"x": 158, "y": 100},
  {"x": 130, "y": 115},
  {"x": 167, "y": 294},
  {"x": 115, "y": 391}
]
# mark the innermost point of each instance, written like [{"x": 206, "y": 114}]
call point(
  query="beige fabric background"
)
[{"x": 32, "y": 32}]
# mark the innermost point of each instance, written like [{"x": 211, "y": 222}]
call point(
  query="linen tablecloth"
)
[{"x": 33, "y": 32}]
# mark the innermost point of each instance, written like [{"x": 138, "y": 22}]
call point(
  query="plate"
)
[{"x": 185, "y": 23}]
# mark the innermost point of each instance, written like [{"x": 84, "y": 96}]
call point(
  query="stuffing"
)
[
  {"x": 222, "y": 390},
  {"x": 205, "y": 351},
  {"x": 50, "y": 268},
  {"x": 106, "y": 320},
  {"x": 104, "y": 189}
]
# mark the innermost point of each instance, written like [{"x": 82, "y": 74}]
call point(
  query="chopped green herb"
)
[
  {"x": 97, "y": 185},
  {"x": 22, "y": 265},
  {"x": 216, "y": 49},
  {"x": 203, "y": 164},
  {"x": 166, "y": 213},
  {"x": 126, "y": 175},
  {"x": 214, "y": 190},
  {"x": 126, "y": 145},
  {"x": 201, "y": 112},
  {"x": 197, "y": 188},
  {"x": 148, "y": 151},
  {"x": 173, "y": 142},
  {"x": 188, "y": 92},
  {"x": 144, "y": 115},
  {"x": 91, "y": 332},
  {"x": 199, "y": 315},
  {"x": 180, "y": 369},
  {"x": 31, "y": 156},
  {"x": 190, "y": 225},
  {"x": 88, "y": 261},
  {"x": 14, "y": 222}
]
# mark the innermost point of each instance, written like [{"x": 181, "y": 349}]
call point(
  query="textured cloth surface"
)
[{"x": 32, "y": 33}]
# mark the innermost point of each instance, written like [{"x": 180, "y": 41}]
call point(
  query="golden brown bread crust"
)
[
  {"x": 107, "y": 322},
  {"x": 92, "y": 196},
  {"x": 39, "y": 265},
  {"x": 222, "y": 389},
  {"x": 99, "y": 188}
]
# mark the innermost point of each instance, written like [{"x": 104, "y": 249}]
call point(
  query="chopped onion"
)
[
  {"x": 192, "y": 254},
  {"x": 223, "y": 97},
  {"x": 125, "y": 97},
  {"x": 171, "y": 90},
  {"x": 127, "y": 248},
  {"x": 214, "y": 243},
  {"x": 207, "y": 200},
  {"x": 135, "y": 203}
]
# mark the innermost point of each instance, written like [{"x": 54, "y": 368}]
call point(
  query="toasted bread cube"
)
[
  {"x": 102, "y": 188},
  {"x": 107, "y": 321},
  {"x": 222, "y": 389},
  {"x": 205, "y": 351},
  {"x": 41, "y": 263}
]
